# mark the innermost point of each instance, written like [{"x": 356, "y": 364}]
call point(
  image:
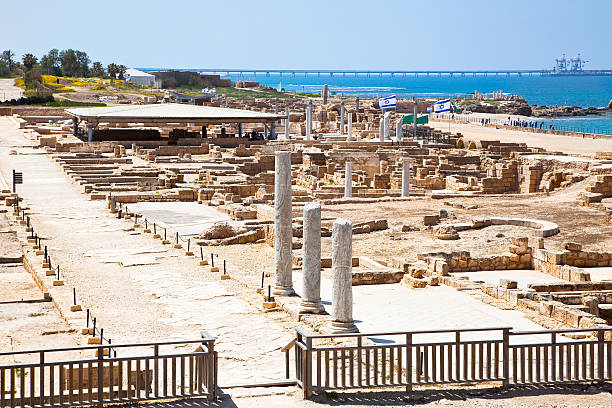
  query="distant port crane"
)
[{"x": 572, "y": 65}]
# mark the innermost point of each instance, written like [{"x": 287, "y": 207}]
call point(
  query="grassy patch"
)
[
  {"x": 36, "y": 314},
  {"x": 66, "y": 103}
]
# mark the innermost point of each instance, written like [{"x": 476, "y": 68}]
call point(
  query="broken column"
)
[
  {"x": 349, "y": 132},
  {"x": 311, "y": 261},
  {"x": 398, "y": 130},
  {"x": 357, "y": 104},
  {"x": 287, "y": 124},
  {"x": 325, "y": 92},
  {"x": 405, "y": 178},
  {"x": 342, "y": 117},
  {"x": 342, "y": 297},
  {"x": 348, "y": 179},
  {"x": 381, "y": 130},
  {"x": 283, "y": 231}
]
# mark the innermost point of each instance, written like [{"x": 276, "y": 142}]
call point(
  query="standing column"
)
[
  {"x": 240, "y": 130},
  {"x": 342, "y": 117},
  {"x": 349, "y": 132},
  {"x": 287, "y": 124},
  {"x": 90, "y": 132},
  {"x": 405, "y": 178},
  {"x": 387, "y": 132},
  {"x": 75, "y": 126},
  {"x": 342, "y": 298},
  {"x": 307, "y": 123},
  {"x": 414, "y": 117},
  {"x": 398, "y": 130},
  {"x": 381, "y": 130},
  {"x": 311, "y": 260},
  {"x": 348, "y": 179},
  {"x": 357, "y": 104},
  {"x": 283, "y": 231},
  {"x": 325, "y": 92}
]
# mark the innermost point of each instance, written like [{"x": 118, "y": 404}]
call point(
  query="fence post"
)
[
  {"x": 42, "y": 378},
  {"x": 307, "y": 368},
  {"x": 600, "y": 355},
  {"x": 506, "y": 357},
  {"x": 408, "y": 362},
  {"x": 100, "y": 375}
]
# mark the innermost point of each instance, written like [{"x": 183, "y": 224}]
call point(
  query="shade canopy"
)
[{"x": 170, "y": 113}]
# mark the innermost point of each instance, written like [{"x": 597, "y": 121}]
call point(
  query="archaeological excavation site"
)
[{"x": 297, "y": 246}]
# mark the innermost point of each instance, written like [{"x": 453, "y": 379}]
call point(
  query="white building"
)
[{"x": 139, "y": 77}]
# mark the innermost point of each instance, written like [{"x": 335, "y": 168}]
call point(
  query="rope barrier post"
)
[
  {"x": 74, "y": 296},
  {"x": 188, "y": 242},
  {"x": 87, "y": 324}
]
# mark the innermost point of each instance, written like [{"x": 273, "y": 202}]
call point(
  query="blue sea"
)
[{"x": 584, "y": 91}]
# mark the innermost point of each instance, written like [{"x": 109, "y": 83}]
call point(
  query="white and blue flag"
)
[
  {"x": 388, "y": 102},
  {"x": 442, "y": 106}
]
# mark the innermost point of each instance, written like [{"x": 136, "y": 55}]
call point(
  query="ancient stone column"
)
[
  {"x": 325, "y": 92},
  {"x": 381, "y": 130},
  {"x": 398, "y": 130},
  {"x": 342, "y": 117},
  {"x": 342, "y": 298},
  {"x": 387, "y": 133},
  {"x": 283, "y": 232},
  {"x": 309, "y": 124},
  {"x": 311, "y": 260},
  {"x": 357, "y": 104},
  {"x": 349, "y": 132},
  {"x": 308, "y": 119},
  {"x": 405, "y": 178},
  {"x": 90, "y": 132},
  {"x": 287, "y": 137},
  {"x": 348, "y": 180}
]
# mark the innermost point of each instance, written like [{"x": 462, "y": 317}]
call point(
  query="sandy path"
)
[
  {"x": 8, "y": 90},
  {"x": 554, "y": 143},
  {"x": 172, "y": 298}
]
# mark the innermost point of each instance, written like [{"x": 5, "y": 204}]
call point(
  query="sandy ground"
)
[
  {"x": 8, "y": 90},
  {"x": 553, "y": 143}
]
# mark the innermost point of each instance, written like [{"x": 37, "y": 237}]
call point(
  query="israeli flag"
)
[
  {"x": 442, "y": 106},
  {"x": 388, "y": 102}
]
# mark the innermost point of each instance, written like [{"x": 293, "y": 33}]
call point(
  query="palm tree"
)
[
  {"x": 29, "y": 60},
  {"x": 7, "y": 57}
]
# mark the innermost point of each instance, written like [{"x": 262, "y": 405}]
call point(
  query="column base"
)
[
  {"x": 282, "y": 290},
  {"x": 343, "y": 327},
  {"x": 311, "y": 307}
]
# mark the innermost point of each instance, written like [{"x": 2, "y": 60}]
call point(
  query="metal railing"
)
[
  {"x": 398, "y": 359},
  {"x": 53, "y": 381}
]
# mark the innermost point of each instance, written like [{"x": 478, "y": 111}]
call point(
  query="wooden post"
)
[
  {"x": 506, "y": 357},
  {"x": 100, "y": 375},
  {"x": 408, "y": 362},
  {"x": 307, "y": 377},
  {"x": 600, "y": 355}
]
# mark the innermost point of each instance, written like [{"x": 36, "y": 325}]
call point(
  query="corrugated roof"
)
[{"x": 170, "y": 112}]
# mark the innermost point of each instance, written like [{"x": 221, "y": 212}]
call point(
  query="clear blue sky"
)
[{"x": 332, "y": 34}]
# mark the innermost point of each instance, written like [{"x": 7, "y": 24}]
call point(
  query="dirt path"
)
[{"x": 8, "y": 90}]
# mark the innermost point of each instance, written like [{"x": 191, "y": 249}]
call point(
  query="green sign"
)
[{"x": 421, "y": 120}]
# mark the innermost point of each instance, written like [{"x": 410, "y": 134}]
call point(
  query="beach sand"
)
[{"x": 554, "y": 143}]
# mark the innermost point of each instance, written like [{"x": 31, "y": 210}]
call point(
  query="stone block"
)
[{"x": 508, "y": 284}]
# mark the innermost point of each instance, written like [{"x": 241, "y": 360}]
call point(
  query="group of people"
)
[{"x": 528, "y": 124}]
